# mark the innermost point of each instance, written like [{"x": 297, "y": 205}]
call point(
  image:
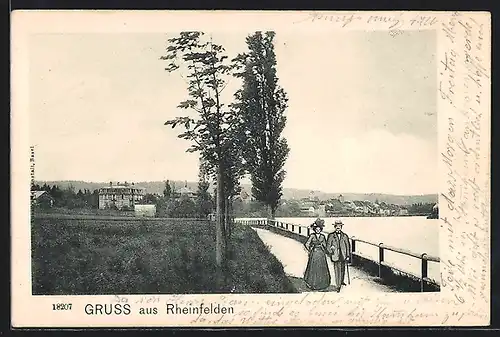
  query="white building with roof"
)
[
  {"x": 43, "y": 198},
  {"x": 120, "y": 195}
]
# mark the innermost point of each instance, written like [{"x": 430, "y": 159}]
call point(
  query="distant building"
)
[
  {"x": 434, "y": 213},
  {"x": 310, "y": 211},
  {"x": 321, "y": 211},
  {"x": 385, "y": 212},
  {"x": 186, "y": 192},
  {"x": 120, "y": 196},
  {"x": 359, "y": 206},
  {"x": 313, "y": 196},
  {"x": 349, "y": 205},
  {"x": 43, "y": 199},
  {"x": 403, "y": 211},
  {"x": 369, "y": 207},
  {"x": 384, "y": 208},
  {"x": 335, "y": 206},
  {"x": 144, "y": 210}
]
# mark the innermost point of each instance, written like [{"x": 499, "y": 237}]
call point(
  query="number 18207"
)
[{"x": 61, "y": 306}]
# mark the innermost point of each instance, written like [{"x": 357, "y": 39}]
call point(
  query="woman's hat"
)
[{"x": 318, "y": 223}]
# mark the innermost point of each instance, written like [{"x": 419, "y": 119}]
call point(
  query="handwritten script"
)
[
  {"x": 387, "y": 21},
  {"x": 463, "y": 87},
  {"x": 310, "y": 308}
]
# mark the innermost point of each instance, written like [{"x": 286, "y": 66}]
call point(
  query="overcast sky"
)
[{"x": 361, "y": 117}]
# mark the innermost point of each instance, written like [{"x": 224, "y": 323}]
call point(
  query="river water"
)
[{"x": 417, "y": 234}]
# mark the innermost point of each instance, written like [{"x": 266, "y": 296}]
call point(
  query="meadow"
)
[{"x": 85, "y": 257}]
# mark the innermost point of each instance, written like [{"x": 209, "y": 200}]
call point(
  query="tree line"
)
[
  {"x": 168, "y": 205},
  {"x": 421, "y": 208},
  {"x": 173, "y": 205},
  {"x": 68, "y": 198},
  {"x": 236, "y": 137}
]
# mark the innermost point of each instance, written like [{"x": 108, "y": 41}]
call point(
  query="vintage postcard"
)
[{"x": 244, "y": 169}]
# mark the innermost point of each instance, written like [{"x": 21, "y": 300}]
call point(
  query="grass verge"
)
[{"x": 85, "y": 257}]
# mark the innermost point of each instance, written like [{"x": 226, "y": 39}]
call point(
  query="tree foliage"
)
[
  {"x": 207, "y": 67},
  {"x": 67, "y": 198},
  {"x": 262, "y": 103},
  {"x": 204, "y": 201},
  {"x": 209, "y": 127},
  {"x": 167, "y": 191}
]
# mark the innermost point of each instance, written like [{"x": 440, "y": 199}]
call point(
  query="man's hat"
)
[{"x": 338, "y": 222}]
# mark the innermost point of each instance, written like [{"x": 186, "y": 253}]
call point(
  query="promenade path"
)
[{"x": 293, "y": 255}]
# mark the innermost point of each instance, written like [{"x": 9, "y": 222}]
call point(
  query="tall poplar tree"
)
[
  {"x": 167, "y": 191},
  {"x": 261, "y": 103}
]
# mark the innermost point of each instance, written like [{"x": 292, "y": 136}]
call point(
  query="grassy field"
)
[
  {"x": 73, "y": 257},
  {"x": 84, "y": 211}
]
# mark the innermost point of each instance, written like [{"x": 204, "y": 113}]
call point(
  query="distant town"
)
[{"x": 174, "y": 201}]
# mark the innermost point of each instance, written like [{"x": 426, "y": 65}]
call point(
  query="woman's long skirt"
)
[{"x": 317, "y": 275}]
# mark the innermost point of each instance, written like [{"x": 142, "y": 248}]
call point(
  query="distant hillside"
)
[
  {"x": 291, "y": 193},
  {"x": 288, "y": 193},
  {"x": 150, "y": 186}
]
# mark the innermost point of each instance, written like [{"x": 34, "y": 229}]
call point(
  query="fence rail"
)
[
  {"x": 424, "y": 257},
  {"x": 306, "y": 231}
]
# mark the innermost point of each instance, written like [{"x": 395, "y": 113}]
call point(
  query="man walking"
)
[{"x": 338, "y": 247}]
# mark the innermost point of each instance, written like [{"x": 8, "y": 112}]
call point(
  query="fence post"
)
[
  {"x": 300, "y": 227},
  {"x": 286, "y": 226},
  {"x": 424, "y": 272},
  {"x": 380, "y": 259},
  {"x": 353, "y": 249},
  {"x": 293, "y": 228},
  {"x": 308, "y": 231}
]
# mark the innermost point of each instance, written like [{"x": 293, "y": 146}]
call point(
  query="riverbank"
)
[{"x": 87, "y": 257}]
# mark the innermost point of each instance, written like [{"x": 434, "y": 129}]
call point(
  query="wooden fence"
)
[{"x": 423, "y": 257}]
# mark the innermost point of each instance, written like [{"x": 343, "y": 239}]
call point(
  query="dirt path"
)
[{"x": 293, "y": 256}]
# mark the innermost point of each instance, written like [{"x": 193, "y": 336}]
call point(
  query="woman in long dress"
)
[{"x": 317, "y": 275}]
